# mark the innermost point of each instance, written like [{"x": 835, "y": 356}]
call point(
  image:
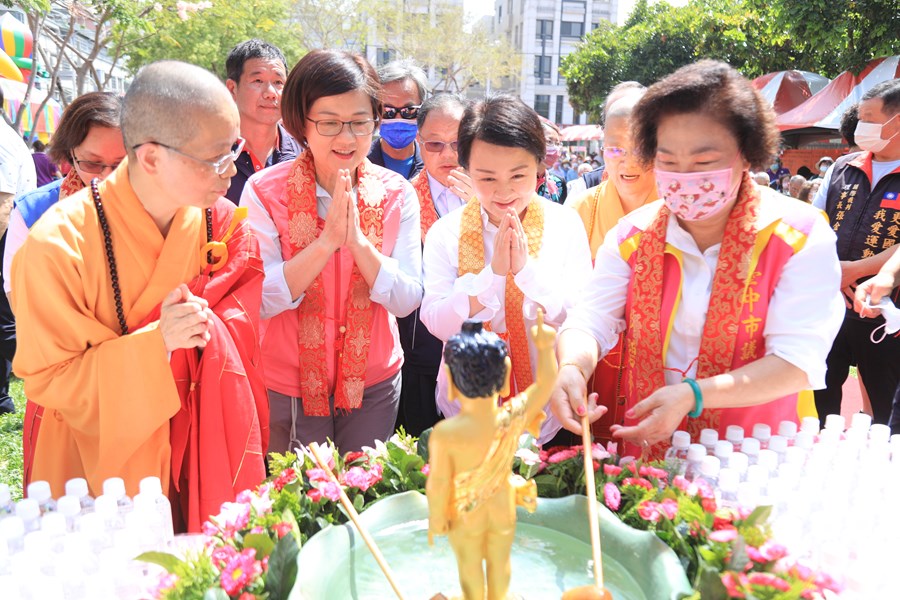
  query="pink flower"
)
[
  {"x": 246, "y": 596},
  {"x": 709, "y": 504},
  {"x": 724, "y": 535},
  {"x": 637, "y": 481},
  {"x": 598, "y": 452},
  {"x": 287, "y": 476},
  {"x": 733, "y": 582},
  {"x": 315, "y": 475},
  {"x": 704, "y": 489},
  {"x": 649, "y": 511},
  {"x": 356, "y": 477},
  {"x": 611, "y": 470},
  {"x": 209, "y": 529},
  {"x": 562, "y": 455},
  {"x": 681, "y": 483},
  {"x": 355, "y": 456},
  {"x": 282, "y": 529},
  {"x": 647, "y": 471},
  {"x": 165, "y": 583},
  {"x": 314, "y": 494},
  {"x": 755, "y": 555},
  {"x": 669, "y": 508},
  {"x": 769, "y": 580},
  {"x": 240, "y": 571},
  {"x": 426, "y": 469},
  {"x": 233, "y": 517},
  {"x": 773, "y": 551},
  {"x": 331, "y": 491},
  {"x": 222, "y": 554},
  {"x": 611, "y": 496}
]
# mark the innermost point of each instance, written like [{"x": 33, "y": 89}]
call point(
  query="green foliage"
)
[
  {"x": 11, "y": 426},
  {"x": 754, "y": 36},
  {"x": 196, "y": 576},
  {"x": 282, "y": 568}
]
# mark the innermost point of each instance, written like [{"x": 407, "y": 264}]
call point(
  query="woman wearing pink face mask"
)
[
  {"x": 728, "y": 292},
  {"x": 549, "y": 185}
]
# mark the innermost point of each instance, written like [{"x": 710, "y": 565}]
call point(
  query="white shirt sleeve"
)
[
  {"x": 276, "y": 295},
  {"x": 15, "y": 237},
  {"x": 822, "y": 193},
  {"x": 398, "y": 285}
]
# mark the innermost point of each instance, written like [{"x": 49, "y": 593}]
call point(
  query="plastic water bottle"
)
[
  {"x": 708, "y": 439},
  {"x": 107, "y": 508},
  {"x": 696, "y": 452},
  {"x": 835, "y": 422},
  {"x": 758, "y": 475},
  {"x": 879, "y": 434},
  {"x": 795, "y": 456},
  {"x": 804, "y": 440},
  {"x": 738, "y": 462},
  {"x": 151, "y": 488},
  {"x": 78, "y": 488},
  {"x": 40, "y": 491},
  {"x": 748, "y": 494},
  {"x": 115, "y": 488},
  {"x": 768, "y": 459},
  {"x": 709, "y": 470},
  {"x": 29, "y": 511},
  {"x": 788, "y": 430},
  {"x": 810, "y": 424},
  {"x": 7, "y": 506},
  {"x": 729, "y": 480},
  {"x": 723, "y": 451},
  {"x": 861, "y": 420},
  {"x": 762, "y": 432},
  {"x": 70, "y": 508},
  {"x": 750, "y": 447},
  {"x": 12, "y": 534},
  {"x": 779, "y": 445},
  {"x": 735, "y": 435}
]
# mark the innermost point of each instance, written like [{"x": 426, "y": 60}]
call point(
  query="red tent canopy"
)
[
  {"x": 576, "y": 133},
  {"x": 824, "y": 110},
  {"x": 788, "y": 89}
]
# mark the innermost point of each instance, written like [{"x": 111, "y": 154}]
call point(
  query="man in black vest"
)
[{"x": 863, "y": 205}]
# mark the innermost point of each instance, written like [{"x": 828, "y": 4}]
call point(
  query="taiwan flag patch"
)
[{"x": 890, "y": 200}]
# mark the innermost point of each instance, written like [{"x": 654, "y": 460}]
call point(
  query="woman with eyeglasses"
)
[
  {"x": 341, "y": 244},
  {"x": 89, "y": 139},
  {"x": 728, "y": 294},
  {"x": 508, "y": 251}
]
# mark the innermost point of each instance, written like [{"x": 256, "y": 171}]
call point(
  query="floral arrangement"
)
[{"x": 252, "y": 544}]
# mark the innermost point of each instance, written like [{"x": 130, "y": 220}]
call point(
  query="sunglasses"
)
[
  {"x": 438, "y": 147},
  {"x": 406, "y": 112}
]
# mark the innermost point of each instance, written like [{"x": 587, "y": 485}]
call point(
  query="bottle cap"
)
[
  {"x": 762, "y": 432},
  {"x": 696, "y": 452},
  {"x": 734, "y": 434},
  {"x": 40, "y": 491},
  {"x": 54, "y": 524},
  {"x": 150, "y": 485},
  {"x": 778, "y": 443},
  {"x": 69, "y": 506},
  {"x": 830, "y": 435},
  {"x": 804, "y": 440},
  {"x": 750, "y": 446},
  {"x": 860, "y": 420},
  {"x": 28, "y": 509},
  {"x": 729, "y": 480},
  {"x": 115, "y": 487},
  {"x": 768, "y": 459},
  {"x": 795, "y": 455},
  {"x": 787, "y": 429},
  {"x": 708, "y": 437},
  {"x": 11, "y": 528},
  {"x": 810, "y": 424},
  {"x": 5, "y": 495},
  {"x": 738, "y": 462},
  {"x": 77, "y": 487},
  {"x": 709, "y": 466},
  {"x": 835, "y": 422},
  {"x": 879, "y": 433},
  {"x": 681, "y": 440},
  {"x": 723, "y": 449}
]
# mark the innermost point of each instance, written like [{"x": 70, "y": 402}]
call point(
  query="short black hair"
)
[
  {"x": 255, "y": 48},
  {"x": 501, "y": 120},
  {"x": 849, "y": 120},
  {"x": 889, "y": 92},
  {"x": 440, "y": 102},
  {"x": 477, "y": 360}
]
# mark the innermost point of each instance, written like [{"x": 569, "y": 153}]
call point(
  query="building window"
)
[
  {"x": 383, "y": 56},
  {"x": 499, "y": 12},
  {"x": 559, "y": 107},
  {"x": 571, "y": 29},
  {"x": 545, "y": 29},
  {"x": 594, "y": 26},
  {"x": 542, "y": 105},
  {"x": 542, "y": 67}
]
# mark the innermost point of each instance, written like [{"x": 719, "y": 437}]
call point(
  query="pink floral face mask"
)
[{"x": 696, "y": 196}]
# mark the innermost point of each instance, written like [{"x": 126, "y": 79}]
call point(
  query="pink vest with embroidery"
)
[
  {"x": 775, "y": 244},
  {"x": 279, "y": 334}
]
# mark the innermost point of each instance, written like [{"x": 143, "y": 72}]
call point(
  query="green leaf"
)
[
  {"x": 710, "y": 585},
  {"x": 282, "y": 568},
  {"x": 422, "y": 447},
  {"x": 288, "y": 517},
  {"x": 260, "y": 542},
  {"x": 215, "y": 593},
  {"x": 167, "y": 561},
  {"x": 739, "y": 558},
  {"x": 759, "y": 516}
]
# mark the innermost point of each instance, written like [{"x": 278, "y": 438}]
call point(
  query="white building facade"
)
[{"x": 544, "y": 32}]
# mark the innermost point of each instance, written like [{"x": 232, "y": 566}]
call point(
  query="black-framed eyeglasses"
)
[
  {"x": 94, "y": 168},
  {"x": 405, "y": 112},
  {"x": 333, "y": 127},
  {"x": 220, "y": 165},
  {"x": 438, "y": 147}
]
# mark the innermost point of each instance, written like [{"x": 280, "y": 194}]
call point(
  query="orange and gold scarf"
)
[
  {"x": 71, "y": 183},
  {"x": 427, "y": 212},
  {"x": 471, "y": 260},
  {"x": 644, "y": 337},
  {"x": 352, "y": 356}
]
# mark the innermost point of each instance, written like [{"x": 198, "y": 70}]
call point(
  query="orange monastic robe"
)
[{"x": 107, "y": 398}]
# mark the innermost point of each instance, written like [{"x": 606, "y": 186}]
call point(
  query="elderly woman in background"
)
[
  {"x": 727, "y": 294},
  {"x": 341, "y": 244}
]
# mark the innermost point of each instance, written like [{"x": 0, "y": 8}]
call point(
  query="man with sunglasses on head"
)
[
  {"x": 442, "y": 187},
  {"x": 405, "y": 86},
  {"x": 256, "y": 72},
  {"x": 137, "y": 301}
]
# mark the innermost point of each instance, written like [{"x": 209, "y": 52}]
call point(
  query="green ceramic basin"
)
[{"x": 551, "y": 553}]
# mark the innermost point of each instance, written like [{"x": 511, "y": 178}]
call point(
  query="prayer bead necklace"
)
[{"x": 111, "y": 257}]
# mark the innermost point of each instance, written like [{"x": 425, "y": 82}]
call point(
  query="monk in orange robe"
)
[{"x": 137, "y": 303}]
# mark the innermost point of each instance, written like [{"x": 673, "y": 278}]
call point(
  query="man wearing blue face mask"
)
[
  {"x": 862, "y": 199},
  {"x": 405, "y": 87}
]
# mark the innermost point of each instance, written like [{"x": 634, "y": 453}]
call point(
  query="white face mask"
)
[
  {"x": 868, "y": 136},
  {"x": 891, "y": 315}
]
